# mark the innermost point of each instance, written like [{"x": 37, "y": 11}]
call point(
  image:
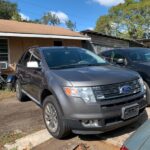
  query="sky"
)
[{"x": 83, "y": 12}]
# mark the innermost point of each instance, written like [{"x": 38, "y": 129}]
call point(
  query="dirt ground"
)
[
  {"x": 107, "y": 141},
  {"x": 76, "y": 143},
  {"x": 4, "y": 94},
  {"x": 27, "y": 118},
  {"x": 20, "y": 118}
]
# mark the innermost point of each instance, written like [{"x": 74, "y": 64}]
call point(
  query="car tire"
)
[
  {"x": 19, "y": 94},
  {"x": 61, "y": 129},
  {"x": 147, "y": 94}
]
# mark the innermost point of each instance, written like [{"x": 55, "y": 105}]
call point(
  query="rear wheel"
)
[
  {"x": 52, "y": 115},
  {"x": 147, "y": 93},
  {"x": 19, "y": 94}
]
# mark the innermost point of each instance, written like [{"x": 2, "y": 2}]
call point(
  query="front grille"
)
[{"x": 113, "y": 91}]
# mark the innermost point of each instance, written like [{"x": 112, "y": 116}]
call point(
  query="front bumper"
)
[
  {"x": 108, "y": 114},
  {"x": 77, "y": 127}
]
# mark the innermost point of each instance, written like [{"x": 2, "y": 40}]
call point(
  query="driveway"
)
[
  {"x": 27, "y": 117},
  {"x": 14, "y": 115},
  {"x": 76, "y": 143},
  {"x": 107, "y": 141}
]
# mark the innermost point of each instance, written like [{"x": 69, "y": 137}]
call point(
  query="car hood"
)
[
  {"x": 140, "y": 140},
  {"x": 95, "y": 75}
]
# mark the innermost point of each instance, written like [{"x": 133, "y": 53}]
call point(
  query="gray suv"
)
[{"x": 79, "y": 91}]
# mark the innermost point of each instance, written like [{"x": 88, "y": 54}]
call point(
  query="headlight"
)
[
  {"x": 85, "y": 93},
  {"x": 143, "y": 87}
]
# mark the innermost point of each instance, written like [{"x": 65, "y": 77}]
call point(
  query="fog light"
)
[{"x": 90, "y": 123}]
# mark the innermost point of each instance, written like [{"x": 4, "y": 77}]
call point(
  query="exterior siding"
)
[
  {"x": 108, "y": 42},
  {"x": 103, "y": 42},
  {"x": 147, "y": 43},
  {"x": 17, "y": 46}
]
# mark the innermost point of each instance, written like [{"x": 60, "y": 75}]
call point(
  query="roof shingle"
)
[{"x": 9, "y": 26}]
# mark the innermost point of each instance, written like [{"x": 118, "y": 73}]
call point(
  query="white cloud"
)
[
  {"x": 109, "y": 3},
  {"x": 61, "y": 15},
  {"x": 90, "y": 28},
  {"x": 24, "y": 17}
]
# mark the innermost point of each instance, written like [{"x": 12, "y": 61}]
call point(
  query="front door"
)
[{"x": 36, "y": 82}]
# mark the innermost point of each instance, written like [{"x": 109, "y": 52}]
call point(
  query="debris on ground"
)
[{"x": 81, "y": 147}]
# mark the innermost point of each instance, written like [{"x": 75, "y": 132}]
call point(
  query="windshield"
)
[
  {"x": 58, "y": 58},
  {"x": 140, "y": 55}
]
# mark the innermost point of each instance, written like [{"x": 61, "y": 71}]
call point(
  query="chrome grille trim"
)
[{"x": 112, "y": 91}]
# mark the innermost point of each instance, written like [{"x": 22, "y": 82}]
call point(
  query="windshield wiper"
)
[
  {"x": 97, "y": 64},
  {"x": 75, "y": 66},
  {"x": 64, "y": 66}
]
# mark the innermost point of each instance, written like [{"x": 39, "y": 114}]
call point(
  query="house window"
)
[
  {"x": 3, "y": 50},
  {"x": 58, "y": 43}
]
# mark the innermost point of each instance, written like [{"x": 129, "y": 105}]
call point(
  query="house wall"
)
[
  {"x": 101, "y": 43},
  {"x": 109, "y": 42},
  {"x": 19, "y": 45},
  {"x": 146, "y": 43}
]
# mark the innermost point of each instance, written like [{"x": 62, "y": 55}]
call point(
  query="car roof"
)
[
  {"x": 131, "y": 48},
  {"x": 126, "y": 49},
  {"x": 58, "y": 47}
]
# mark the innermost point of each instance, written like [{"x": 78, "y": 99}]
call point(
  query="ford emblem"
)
[{"x": 125, "y": 89}]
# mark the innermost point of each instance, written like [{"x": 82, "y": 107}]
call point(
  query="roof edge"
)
[
  {"x": 109, "y": 36},
  {"x": 4, "y": 34}
]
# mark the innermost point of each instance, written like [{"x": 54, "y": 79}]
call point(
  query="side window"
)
[
  {"x": 134, "y": 56},
  {"x": 36, "y": 58},
  {"x": 107, "y": 55},
  {"x": 25, "y": 59},
  {"x": 118, "y": 56},
  {"x": 3, "y": 50}
]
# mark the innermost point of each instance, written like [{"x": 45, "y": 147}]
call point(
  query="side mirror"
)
[
  {"x": 32, "y": 64},
  {"x": 120, "y": 61}
]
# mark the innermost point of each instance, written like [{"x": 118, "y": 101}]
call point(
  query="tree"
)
[
  {"x": 50, "y": 18},
  {"x": 130, "y": 19},
  {"x": 9, "y": 10},
  {"x": 70, "y": 25}
]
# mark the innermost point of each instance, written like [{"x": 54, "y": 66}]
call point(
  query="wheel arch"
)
[{"x": 45, "y": 93}]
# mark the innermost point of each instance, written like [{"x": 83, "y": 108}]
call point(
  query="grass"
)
[
  {"x": 4, "y": 94},
  {"x": 9, "y": 138}
]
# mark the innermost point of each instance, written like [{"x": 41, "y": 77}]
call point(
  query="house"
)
[
  {"x": 16, "y": 37},
  {"x": 102, "y": 42},
  {"x": 145, "y": 42}
]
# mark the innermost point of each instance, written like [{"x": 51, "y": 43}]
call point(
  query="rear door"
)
[{"x": 23, "y": 72}]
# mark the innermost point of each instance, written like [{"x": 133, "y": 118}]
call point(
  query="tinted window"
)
[
  {"x": 71, "y": 57},
  {"x": 25, "y": 59},
  {"x": 139, "y": 55},
  {"x": 118, "y": 56},
  {"x": 108, "y": 55}
]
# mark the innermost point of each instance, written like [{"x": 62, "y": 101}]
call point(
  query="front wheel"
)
[
  {"x": 52, "y": 115},
  {"x": 147, "y": 94}
]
